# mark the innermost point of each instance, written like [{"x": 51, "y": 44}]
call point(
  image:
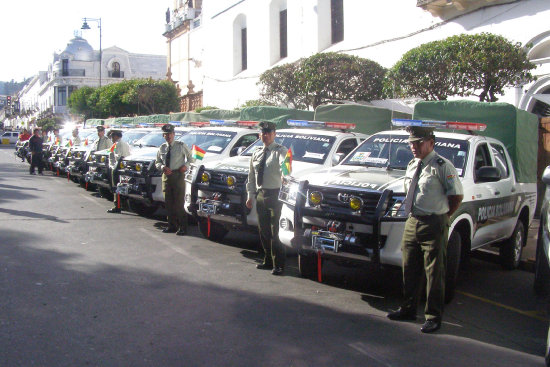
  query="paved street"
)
[{"x": 82, "y": 287}]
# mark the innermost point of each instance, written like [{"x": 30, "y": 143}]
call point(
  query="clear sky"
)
[{"x": 32, "y": 30}]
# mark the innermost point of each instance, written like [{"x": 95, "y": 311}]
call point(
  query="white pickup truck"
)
[{"x": 352, "y": 211}]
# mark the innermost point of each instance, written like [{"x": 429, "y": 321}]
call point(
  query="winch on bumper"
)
[
  {"x": 218, "y": 195},
  {"x": 345, "y": 223}
]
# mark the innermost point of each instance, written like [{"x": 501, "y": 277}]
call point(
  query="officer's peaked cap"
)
[
  {"x": 267, "y": 126},
  {"x": 417, "y": 133},
  {"x": 167, "y": 128}
]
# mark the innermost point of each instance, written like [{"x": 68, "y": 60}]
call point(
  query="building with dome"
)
[{"x": 76, "y": 66}]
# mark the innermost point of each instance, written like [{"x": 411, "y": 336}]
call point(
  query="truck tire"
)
[
  {"x": 542, "y": 272},
  {"x": 454, "y": 251},
  {"x": 217, "y": 231},
  {"x": 510, "y": 250},
  {"x": 141, "y": 208},
  {"x": 307, "y": 266}
]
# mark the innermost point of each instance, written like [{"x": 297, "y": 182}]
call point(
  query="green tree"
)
[
  {"x": 79, "y": 102},
  {"x": 479, "y": 65},
  {"x": 330, "y": 77},
  {"x": 322, "y": 78}
]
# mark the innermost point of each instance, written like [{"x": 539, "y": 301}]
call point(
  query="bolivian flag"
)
[
  {"x": 86, "y": 142},
  {"x": 56, "y": 141},
  {"x": 69, "y": 143},
  {"x": 197, "y": 152},
  {"x": 286, "y": 166},
  {"x": 113, "y": 148}
]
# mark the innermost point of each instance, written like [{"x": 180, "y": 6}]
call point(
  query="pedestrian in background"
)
[
  {"x": 173, "y": 159},
  {"x": 434, "y": 193},
  {"x": 119, "y": 149},
  {"x": 264, "y": 181},
  {"x": 35, "y": 147}
]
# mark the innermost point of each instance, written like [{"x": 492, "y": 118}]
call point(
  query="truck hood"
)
[
  {"x": 358, "y": 177},
  {"x": 142, "y": 154},
  {"x": 241, "y": 164}
]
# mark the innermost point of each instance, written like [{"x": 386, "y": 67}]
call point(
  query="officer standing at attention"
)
[
  {"x": 103, "y": 142},
  {"x": 264, "y": 181},
  {"x": 76, "y": 137},
  {"x": 119, "y": 149},
  {"x": 434, "y": 193},
  {"x": 173, "y": 158}
]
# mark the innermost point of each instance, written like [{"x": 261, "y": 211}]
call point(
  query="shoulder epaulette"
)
[{"x": 440, "y": 161}]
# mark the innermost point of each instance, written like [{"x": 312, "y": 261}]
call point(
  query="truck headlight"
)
[
  {"x": 122, "y": 165},
  {"x": 205, "y": 177},
  {"x": 230, "y": 181},
  {"x": 102, "y": 159},
  {"x": 139, "y": 167},
  {"x": 315, "y": 198},
  {"x": 355, "y": 203}
]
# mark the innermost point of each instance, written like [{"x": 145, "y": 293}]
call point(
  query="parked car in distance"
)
[{"x": 9, "y": 137}]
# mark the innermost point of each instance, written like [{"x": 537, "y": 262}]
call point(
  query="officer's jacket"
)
[
  {"x": 102, "y": 143},
  {"x": 180, "y": 156},
  {"x": 272, "y": 172},
  {"x": 438, "y": 179},
  {"x": 122, "y": 149},
  {"x": 76, "y": 140}
]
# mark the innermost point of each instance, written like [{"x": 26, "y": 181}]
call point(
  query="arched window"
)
[
  {"x": 240, "y": 49},
  {"x": 116, "y": 70}
]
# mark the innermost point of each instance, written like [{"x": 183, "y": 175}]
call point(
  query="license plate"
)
[
  {"x": 208, "y": 208},
  {"x": 324, "y": 243},
  {"x": 124, "y": 179},
  {"x": 122, "y": 189}
]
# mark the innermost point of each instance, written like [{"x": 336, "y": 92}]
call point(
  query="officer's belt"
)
[
  {"x": 425, "y": 217},
  {"x": 269, "y": 191}
]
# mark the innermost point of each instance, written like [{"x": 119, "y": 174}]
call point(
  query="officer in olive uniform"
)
[
  {"x": 434, "y": 192},
  {"x": 76, "y": 137},
  {"x": 103, "y": 142},
  {"x": 264, "y": 181},
  {"x": 119, "y": 149},
  {"x": 173, "y": 158}
]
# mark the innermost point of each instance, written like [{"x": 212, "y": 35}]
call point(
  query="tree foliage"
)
[
  {"x": 127, "y": 98},
  {"x": 479, "y": 65},
  {"x": 322, "y": 78}
]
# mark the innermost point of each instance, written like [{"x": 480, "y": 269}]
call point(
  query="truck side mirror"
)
[
  {"x": 337, "y": 158},
  {"x": 546, "y": 176},
  {"x": 487, "y": 174}
]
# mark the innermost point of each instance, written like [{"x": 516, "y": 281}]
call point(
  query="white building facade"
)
[
  {"x": 79, "y": 65},
  {"x": 224, "y": 45}
]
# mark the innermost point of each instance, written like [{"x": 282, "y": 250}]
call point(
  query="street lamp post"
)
[{"x": 86, "y": 26}]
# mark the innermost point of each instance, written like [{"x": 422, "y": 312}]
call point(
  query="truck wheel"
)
[
  {"x": 307, "y": 265},
  {"x": 510, "y": 250},
  {"x": 141, "y": 208},
  {"x": 453, "y": 265},
  {"x": 542, "y": 272},
  {"x": 217, "y": 231}
]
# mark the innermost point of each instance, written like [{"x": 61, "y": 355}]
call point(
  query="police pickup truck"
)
[
  {"x": 218, "y": 189},
  {"x": 98, "y": 173},
  {"x": 352, "y": 213},
  {"x": 139, "y": 182}
]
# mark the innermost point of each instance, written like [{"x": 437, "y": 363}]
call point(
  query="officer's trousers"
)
[
  {"x": 173, "y": 187},
  {"x": 268, "y": 208},
  {"x": 424, "y": 249},
  {"x": 36, "y": 161}
]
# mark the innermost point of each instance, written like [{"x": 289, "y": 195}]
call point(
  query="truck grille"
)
[
  {"x": 218, "y": 181},
  {"x": 334, "y": 200}
]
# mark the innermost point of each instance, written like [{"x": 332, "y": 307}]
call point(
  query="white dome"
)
[{"x": 80, "y": 49}]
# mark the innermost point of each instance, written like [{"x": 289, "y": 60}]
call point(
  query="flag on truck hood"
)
[
  {"x": 286, "y": 166},
  {"x": 113, "y": 148},
  {"x": 69, "y": 143},
  {"x": 197, "y": 152}
]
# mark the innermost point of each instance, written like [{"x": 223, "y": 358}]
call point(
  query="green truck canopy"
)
[
  {"x": 369, "y": 119},
  {"x": 516, "y": 129},
  {"x": 277, "y": 115}
]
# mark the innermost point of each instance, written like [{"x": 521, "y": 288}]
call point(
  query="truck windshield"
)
[
  {"x": 305, "y": 147},
  {"x": 133, "y": 136},
  {"x": 151, "y": 139},
  {"x": 393, "y": 151},
  {"x": 211, "y": 141}
]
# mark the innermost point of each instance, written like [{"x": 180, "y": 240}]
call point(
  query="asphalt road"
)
[{"x": 83, "y": 287}]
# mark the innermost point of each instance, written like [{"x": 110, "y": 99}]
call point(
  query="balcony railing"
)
[
  {"x": 70, "y": 72},
  {"x": 116, "y": 74}
]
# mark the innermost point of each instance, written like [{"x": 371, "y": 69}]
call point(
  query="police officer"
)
[
  {"x": 103, "y": 142},
  {"x": 119, "y": 149},
  {"x": 76, "y": 137},
  {"x": 434, "y": 192},
  {"x": 264, "y": 181},
  {"x": 173, "y": 158},
  {"x": 35, "y": 147}
]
